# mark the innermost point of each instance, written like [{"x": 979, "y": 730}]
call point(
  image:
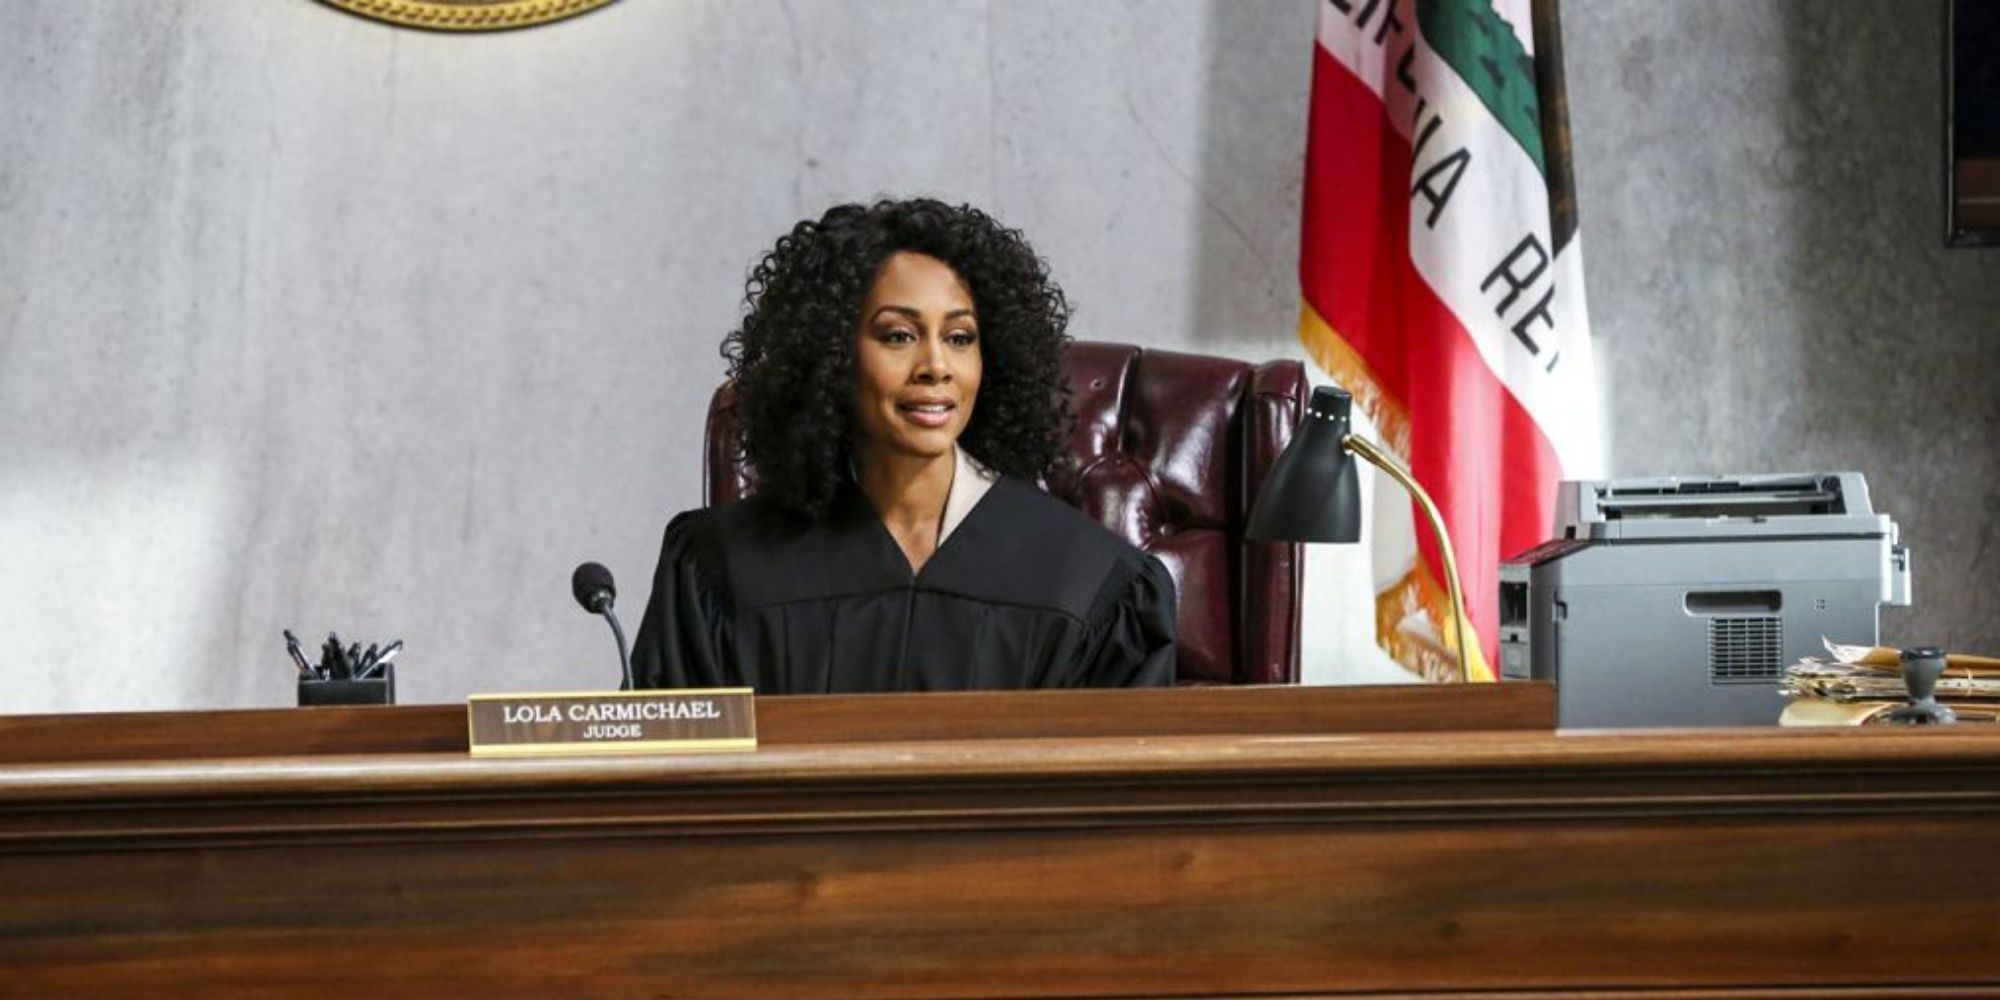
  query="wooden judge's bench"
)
[{"x": 1406, "y": 842}]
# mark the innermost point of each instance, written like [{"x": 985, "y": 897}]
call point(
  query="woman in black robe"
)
[{"x": 899, "y": 385}]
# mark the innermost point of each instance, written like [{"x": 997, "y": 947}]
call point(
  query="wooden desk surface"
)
[{"x": 1126, "y": 844}]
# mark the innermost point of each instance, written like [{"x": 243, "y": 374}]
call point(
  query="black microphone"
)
[{"x": 592, "y": 586}]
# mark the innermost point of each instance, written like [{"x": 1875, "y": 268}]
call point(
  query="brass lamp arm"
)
[{"x": 1387, "y": 463}]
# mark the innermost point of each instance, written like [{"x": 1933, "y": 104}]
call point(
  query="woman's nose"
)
[{"x": 933, "y": 365}]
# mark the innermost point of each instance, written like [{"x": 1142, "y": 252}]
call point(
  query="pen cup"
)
[{"x": 379, "y": 689}]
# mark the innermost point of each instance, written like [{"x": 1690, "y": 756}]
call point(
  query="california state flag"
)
[{"x": 1443, "y": 284}]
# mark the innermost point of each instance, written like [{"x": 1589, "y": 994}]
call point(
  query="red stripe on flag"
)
[{"x": 1484, "y": 460}]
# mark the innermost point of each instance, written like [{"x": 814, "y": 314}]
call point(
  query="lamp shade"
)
[{"x": 1312, "y": 494}]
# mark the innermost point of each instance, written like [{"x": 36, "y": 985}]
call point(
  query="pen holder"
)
[{"x": 377, "y": 690}]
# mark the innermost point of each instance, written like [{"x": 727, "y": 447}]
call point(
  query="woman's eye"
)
[
  {"x": 961, "y": 338},
  {"x": 898, "y": 337}
]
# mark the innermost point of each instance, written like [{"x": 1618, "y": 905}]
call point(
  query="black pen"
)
[
  {"x": 382, "y": 659},
  {"x": 337, "y": 657},
  {"x": 292, "y": 647}
]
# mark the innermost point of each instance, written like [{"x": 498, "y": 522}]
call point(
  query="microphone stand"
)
[{"x": 625, "y": 659}]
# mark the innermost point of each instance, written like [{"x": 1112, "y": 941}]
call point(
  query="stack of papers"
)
[{"x": 1854, "y": 685}]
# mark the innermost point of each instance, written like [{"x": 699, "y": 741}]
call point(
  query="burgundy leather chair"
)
[{"x": 1168, "y": 450}]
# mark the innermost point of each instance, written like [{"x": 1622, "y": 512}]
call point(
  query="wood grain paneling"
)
[
  {"x": 809, "y": 719},
  {"x": 1757, "y": 863}
]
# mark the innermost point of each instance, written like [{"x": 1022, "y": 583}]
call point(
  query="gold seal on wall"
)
[{"x": 467, "y": 15}]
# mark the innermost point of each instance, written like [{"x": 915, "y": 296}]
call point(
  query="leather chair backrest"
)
[{"x": 1168, "y": 451}]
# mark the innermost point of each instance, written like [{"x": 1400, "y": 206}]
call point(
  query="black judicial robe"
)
[{"x": 1025, "y": 593}]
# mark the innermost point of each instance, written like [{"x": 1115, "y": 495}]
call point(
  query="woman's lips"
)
[{"x": 931, "y": 415}]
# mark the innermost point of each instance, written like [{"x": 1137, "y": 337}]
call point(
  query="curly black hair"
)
[{"x": 793, "y": 358}]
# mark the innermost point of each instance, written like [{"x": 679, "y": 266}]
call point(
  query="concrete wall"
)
[
  {"x": 310, "y": 321},
  {"x": 1761, "y": 190}
]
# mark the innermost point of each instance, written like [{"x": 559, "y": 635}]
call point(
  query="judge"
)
[{"x": 899, "y": 387}]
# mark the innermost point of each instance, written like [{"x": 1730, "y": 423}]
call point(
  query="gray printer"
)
[{"x": 1680, "y": 601}]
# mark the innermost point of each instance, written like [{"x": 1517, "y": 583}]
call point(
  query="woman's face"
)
[{"x": 916, "y": 359}]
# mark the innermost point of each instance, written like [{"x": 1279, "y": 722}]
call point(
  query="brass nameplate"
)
[{"x": 612, "y": 722}]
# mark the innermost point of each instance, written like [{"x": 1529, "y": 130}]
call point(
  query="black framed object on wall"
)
[{"x": 1972, "y": 123}]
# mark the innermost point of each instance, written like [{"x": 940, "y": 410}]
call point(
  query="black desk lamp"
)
[{"x": 1312, "y": 494}]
